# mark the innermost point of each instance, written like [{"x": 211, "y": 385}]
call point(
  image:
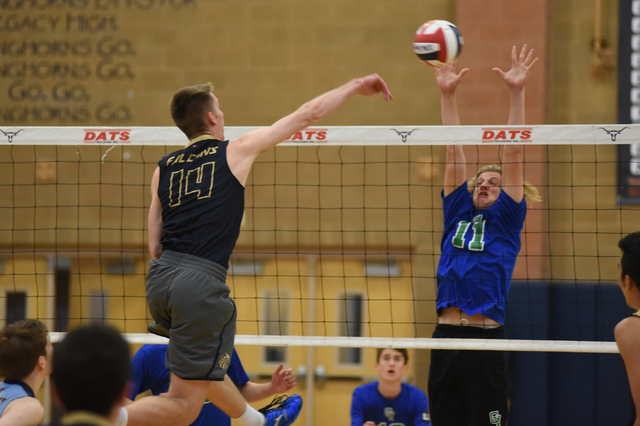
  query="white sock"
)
[
  {"x": 252, "y": 417},
  {"x": 123, "y": 417}
]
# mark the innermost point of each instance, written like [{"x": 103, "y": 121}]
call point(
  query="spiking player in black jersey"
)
[{"x": 194, "y": 221}]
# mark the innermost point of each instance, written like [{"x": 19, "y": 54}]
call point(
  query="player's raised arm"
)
[
  {"x": 244, "y": 150},
  {"x": 513, "y": 156},
  {"x": 516, "y": 79},
  {"x": 448, "y": 81}
]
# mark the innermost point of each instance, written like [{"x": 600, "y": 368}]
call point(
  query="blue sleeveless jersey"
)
[
  {"x": 202, "y": 201},
  {"x": 148, "y": 372},
  {"x": 479, "y": 251},
  {"x": 409, "y": 408},
  {"x": 11, "y": 391}
]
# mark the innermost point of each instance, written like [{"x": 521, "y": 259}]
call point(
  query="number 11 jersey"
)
[{"x": 479, "y": 251}]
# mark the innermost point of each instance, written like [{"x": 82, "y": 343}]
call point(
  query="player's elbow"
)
[{"x": 155, "y": 250}]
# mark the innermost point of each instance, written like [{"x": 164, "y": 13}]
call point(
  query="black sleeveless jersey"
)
[{"x": 202, "y": 201}]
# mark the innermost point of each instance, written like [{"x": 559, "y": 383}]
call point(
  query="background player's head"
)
[
  {"x": 487, "y": 184},
  {"x": 629, "y": 265},
  {"x": 192, "y": 107},
  {"x": 391, "y": 364},
  {"x": 91, "y": 370},
  {"x": 24, "y": 346}
]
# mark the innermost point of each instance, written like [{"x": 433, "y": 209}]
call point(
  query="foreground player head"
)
[
  {"x": 91, "y": 370},
  {"x": 24, "y": 346},
  {"x": 25, "y": 362}
]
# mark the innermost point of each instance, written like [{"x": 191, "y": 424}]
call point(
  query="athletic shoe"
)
[
  {"x": 282, "y": 411},
  {"x": 156, "y": 328}
]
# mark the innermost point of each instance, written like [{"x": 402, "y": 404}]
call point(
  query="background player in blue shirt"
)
[
  {"x": 480, "y": 244},
  {"x": 25, "y": 362},
  {"x": 149, "y": 372},
  {"x": 389, "y": 400}
]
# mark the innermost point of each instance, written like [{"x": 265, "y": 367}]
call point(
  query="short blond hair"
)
[
  {"x": 189, "y": 107},
  {"x": 531, "y": 193}
]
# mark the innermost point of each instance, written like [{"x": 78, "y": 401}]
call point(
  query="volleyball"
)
[{"x": 437, "y": 43}]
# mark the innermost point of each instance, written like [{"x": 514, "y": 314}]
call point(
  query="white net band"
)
[
  {"x": 407, "y": 343},
  {"x": 352, "y": 135}
]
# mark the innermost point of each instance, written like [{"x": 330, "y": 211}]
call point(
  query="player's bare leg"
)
[
  {"x": 226, "y": 396},
  {"x": 178, "y": 407}
]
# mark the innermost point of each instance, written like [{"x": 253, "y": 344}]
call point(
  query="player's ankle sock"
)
[
  {"x": 123, "y": 417},
  {"x": 251, "y": 417}
]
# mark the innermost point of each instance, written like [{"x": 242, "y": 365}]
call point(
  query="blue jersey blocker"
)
[{"x": 479, "y": 251}]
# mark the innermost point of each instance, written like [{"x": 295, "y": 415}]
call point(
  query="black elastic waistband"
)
[
  {"x": 469, "y": 331},
  {"x": 194, "y": 262}
]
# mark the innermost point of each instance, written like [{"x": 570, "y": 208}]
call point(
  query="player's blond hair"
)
[
  {"x": 531, "y": 193},
  {"x": 189, "y": 107}
]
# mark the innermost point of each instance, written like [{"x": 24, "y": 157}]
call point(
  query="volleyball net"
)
[{"x": 340, "y": 240}]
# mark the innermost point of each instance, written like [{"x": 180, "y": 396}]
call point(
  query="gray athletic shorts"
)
[{"x": 188, "y": 296}]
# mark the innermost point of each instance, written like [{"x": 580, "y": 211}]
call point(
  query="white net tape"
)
[
  {"x": 352, "y": 135},
  {"x": 407, "y": 343}
]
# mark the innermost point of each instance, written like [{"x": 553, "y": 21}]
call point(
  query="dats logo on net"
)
[
  {"x": 309, "y": 135},
  {"x": 107, "y": 136},
  {"x": 506, "y": 134}
]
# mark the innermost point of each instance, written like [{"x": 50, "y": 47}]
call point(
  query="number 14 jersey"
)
[
  {"x": 202, "y": 201},
  {"x": 479, "y": 251}
]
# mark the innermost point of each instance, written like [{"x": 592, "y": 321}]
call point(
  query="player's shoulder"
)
[
  {"x": 629, "y": 326},
  {"x": 413, "y": 390},
  {"x": 627, "y": 334},
  {"x": 21, "y": 406},
  {"x": 460, "y": 191},
  {"x": 504, "y": 199},
  {"x": 366, "y": 389}
]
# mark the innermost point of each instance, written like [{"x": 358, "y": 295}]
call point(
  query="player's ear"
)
[
  {"x": 42, "y": 362},
  {"x": 629, "y": 283},
  {"x": 211, "y": 119}
]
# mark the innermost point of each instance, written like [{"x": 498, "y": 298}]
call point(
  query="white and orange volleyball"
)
[{"x": 438, "y": 43}]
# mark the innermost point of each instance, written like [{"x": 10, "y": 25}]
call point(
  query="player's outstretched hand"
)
[
  {"x": 372, "y": 84},
  {"x": 282, "y": 380},
  {"x": 521, "y": 65},
  {"x": 447, "y": 78}
]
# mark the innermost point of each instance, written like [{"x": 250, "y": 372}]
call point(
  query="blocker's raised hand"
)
[
  {"x": 447, "y": 78},
  {"x": 521, "y": 65}
]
